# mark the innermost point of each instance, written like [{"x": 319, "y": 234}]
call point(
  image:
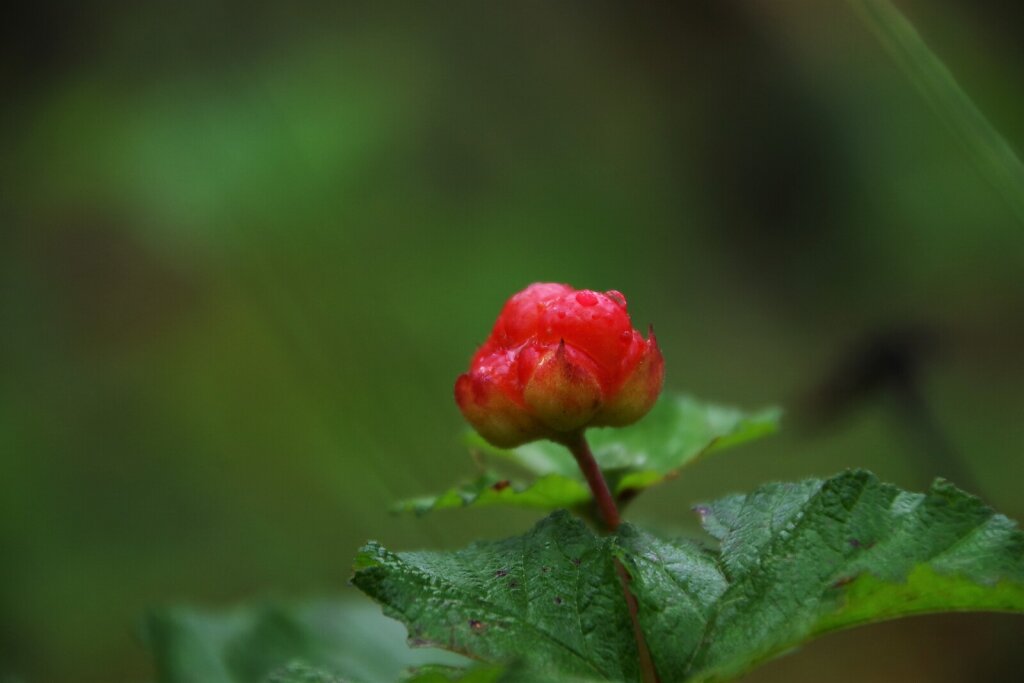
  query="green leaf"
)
[
  {"x": 794, "y": 561},
  {"x": 297, "y": 672},
  {"x": 548, "y": 492},
  {"x": 798, "y": 560},
  {"x": 678, "y": 430},
  {"x": 551, "y": 597},
  {"x": 308, "y": 642},
  {"x": 991, "y": 153},
  {"x": 484, "y": 673},
  {"x": 519, "y": 672}
]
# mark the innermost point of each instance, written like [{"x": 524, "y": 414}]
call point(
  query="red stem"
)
[{"x": 580, "y": 450}]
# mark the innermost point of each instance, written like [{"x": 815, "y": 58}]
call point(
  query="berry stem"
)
[{"x": 580, "y": 450}]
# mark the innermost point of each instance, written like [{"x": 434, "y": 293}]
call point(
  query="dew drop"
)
[
  {"x": 617, "y": 297},
  {"x": 626, "y": 336},
  {"x": 586, "y": 298}
]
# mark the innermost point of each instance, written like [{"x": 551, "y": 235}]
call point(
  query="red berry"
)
[{"x": 558, "y": 361}]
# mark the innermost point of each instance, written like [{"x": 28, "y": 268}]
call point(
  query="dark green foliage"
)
[
  {"x": 794, "y": 561},
  {"x": 551, "y": 597}
]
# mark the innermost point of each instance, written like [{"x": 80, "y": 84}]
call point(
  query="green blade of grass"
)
[{"x": 994, "y": 156}]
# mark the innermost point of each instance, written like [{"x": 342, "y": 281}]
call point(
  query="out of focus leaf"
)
[
  {"x": 481, "y": 673},
  {"x": 310, "y": 642},
  {"x": 519, "y": 672},
  {"x": 297, "y": 672},
  {"x": 678, "y": 430}
]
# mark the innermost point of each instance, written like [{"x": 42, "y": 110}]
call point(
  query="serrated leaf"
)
[
  {"x": 798, "y": 560},
  {"x": 794, "y": 561},
  {"x": 678, "y": 430},
  {"x": 316, "y": 641},
  {"x": 551, "y": 597}
]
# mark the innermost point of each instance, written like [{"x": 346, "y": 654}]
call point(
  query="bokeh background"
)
[{"x": 246, "y": 250}]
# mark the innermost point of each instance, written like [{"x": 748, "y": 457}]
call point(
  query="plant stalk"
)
[{"x": 580, "y": 450}]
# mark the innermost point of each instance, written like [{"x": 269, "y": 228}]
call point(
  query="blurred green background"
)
[{"x": 246, "y": 250}]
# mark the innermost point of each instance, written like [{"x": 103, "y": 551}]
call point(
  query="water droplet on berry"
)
[
  {"x": 586, "y": 298},
  {"x": 617, "y": 297},
  {"x": 626, "y": 336}
]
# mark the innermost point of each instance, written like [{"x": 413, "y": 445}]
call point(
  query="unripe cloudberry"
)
[{"x": 558, "y": 361}]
